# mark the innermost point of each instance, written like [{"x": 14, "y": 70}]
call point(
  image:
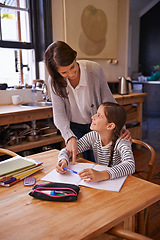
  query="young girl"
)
[{"x": 109, "y": 150}]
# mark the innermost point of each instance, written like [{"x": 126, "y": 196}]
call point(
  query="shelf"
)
[{"x": 42, "y": 142}]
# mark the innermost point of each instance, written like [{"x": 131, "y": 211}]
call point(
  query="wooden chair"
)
[
  {"x": 121, "y": 233},
  {"x": 151, "y": 159},
  {"x": 8, "y": 152},
  {"x": 143, "y": 216}
]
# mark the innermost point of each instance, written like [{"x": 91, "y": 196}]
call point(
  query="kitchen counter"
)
[
  {"x": 147, "y": 82},
  {"x": 130, "y": 98},
  {"x": 10, "y": 114},
  {"x": 151, "y": 104}
]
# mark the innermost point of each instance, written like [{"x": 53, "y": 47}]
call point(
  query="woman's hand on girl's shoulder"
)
[{"x": 126, "y": 135}]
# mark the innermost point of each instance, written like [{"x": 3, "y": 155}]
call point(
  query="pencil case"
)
[{"x": 61, "y": 192}]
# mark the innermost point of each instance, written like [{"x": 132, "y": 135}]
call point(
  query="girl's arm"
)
[
  {"x": 127, "y": 164},
  {"x": 126, "y": 167},
  {"x": 91, "y": 175}
]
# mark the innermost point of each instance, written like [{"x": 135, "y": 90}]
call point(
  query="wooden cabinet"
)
[
  {"x": 10, "y": 114},
  {"x": 133, "y": 104}
]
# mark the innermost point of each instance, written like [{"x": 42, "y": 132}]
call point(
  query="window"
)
[{"x": 17, "y": 55}]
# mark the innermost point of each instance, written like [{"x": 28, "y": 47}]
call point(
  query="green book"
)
[{"x": 15, "y": 164}]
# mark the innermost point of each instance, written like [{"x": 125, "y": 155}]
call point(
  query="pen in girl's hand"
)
[{"x": 68, "y": 169}]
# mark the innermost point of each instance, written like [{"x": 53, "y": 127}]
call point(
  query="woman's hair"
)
[
  {"x": 58, "y": 54},
  {"x": 117, "y": 114}
]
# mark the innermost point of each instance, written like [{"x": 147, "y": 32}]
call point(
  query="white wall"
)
[
  {"x": 26, "y": 95},
  {"x": 111, "y": 71}
]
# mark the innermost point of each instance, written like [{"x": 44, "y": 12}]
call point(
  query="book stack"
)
[{"x": 17, "y": 168}]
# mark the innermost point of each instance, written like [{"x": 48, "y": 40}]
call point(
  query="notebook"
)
[
  {"x": 15, "y": 164},
  {"x": 72, "y": 178}
]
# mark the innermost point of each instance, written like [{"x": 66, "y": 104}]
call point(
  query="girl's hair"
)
[
  {"x": 115, "y": 113},
  {"x": 56, "y": 55}
]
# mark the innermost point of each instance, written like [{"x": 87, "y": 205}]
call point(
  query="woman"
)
[{"x": 77, "y": 89}]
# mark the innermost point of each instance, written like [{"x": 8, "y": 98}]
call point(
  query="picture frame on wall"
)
[{"x": 90, "y": 27}]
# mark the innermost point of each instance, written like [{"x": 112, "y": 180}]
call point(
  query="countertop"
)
[
  {"x": 147, "y": 82},
  {"x": 10, "y": 114},
  {"x": 10, "y": 109}
]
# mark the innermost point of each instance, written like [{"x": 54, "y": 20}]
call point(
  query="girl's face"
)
[
  {"x": 99, "y": 121},
  {"x": 70, "y": 71}
]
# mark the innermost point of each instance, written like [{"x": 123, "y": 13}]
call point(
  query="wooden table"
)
[{"x": 96, "y": 211}]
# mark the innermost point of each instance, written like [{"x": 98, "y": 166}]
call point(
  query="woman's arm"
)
[
  {"x": 61, "y": 120},
  {"x": 84, "y": 144}
]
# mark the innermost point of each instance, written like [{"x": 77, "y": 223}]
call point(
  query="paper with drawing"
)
[{"x": 72, "y": 178}]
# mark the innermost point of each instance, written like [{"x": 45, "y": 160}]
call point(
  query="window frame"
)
[
  {"x": 18, "y": 44},
  {"x": 40, "y": 24}
]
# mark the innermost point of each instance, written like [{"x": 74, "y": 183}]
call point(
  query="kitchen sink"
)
[{"x": 36, "y": 104}]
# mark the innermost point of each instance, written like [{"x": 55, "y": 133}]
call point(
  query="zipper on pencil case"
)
[{"x": 54, "y": 192}]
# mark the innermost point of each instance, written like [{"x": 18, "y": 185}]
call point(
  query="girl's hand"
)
[
  {"x": 60, "y": 165},
  {"x": 126, "y": 135},
  {"x": 72, "y": 148},
  {"x": 91, "y": 175}
]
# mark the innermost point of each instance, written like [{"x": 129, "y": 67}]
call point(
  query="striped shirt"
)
[{"x": 122, "y": 162}]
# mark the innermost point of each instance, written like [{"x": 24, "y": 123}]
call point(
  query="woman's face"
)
[{"x": 71, "y": 71}]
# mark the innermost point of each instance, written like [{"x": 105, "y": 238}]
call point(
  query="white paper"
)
[{"x": 72, "y": 178}]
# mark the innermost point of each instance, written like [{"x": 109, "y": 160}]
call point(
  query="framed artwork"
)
[{"x": 90, "y": 27}]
